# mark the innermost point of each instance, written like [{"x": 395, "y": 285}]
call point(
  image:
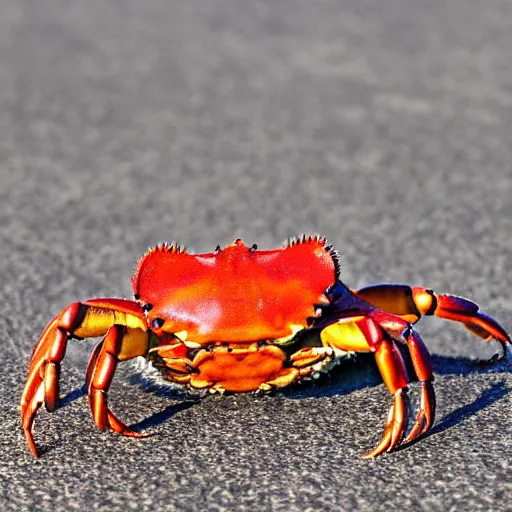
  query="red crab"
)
[{"x": 238, "y": 319}]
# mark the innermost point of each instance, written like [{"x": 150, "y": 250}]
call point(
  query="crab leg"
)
[
  {"x": 79, "y": 320},
  {"x": 411, "y": 303},
  {"x": 423, "y": 368},
  {"x": 364, "y": 334},
  {"x": 100, "y": 373},
  {"x": 392, "y": 368}
]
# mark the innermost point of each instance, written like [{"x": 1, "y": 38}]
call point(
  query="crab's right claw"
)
[{"x": 121, "y": 320}]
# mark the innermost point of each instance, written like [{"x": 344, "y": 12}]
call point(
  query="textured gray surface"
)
[{"x": 386, "y": 126}]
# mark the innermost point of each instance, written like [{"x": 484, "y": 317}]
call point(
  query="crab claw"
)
[
  {"x": 420, "y": 358},
  {"x": 123, "y": 324},
  {"x": 411, "y": 303},
  {"x": 426, "y": 413},
  {"x": 468, "y": 313},
  {"x": 29, "y": 410}
]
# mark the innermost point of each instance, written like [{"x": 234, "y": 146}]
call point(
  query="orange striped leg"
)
[
  {"x": 363, "y": 334},
  {"x": 423, "y": 368},
  {"x": 393, "y": 371},
  {"x": 100, "y": 372}
]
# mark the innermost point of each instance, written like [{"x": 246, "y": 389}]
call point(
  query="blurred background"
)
[{"x": 385, "y": 126}]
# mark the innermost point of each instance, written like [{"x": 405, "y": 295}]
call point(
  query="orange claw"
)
[
  {"x": 394, "y": 374},
  {"x": 89, "y": 319},
  {"x": 28, "y": 413},
  {"x": 121, "y": 428},
  {"x": 467, "y": 312},
  {"x": 367, "y": 333},
  {"x": 426, "y": 413},
  {"x": 411, "y": 303}
]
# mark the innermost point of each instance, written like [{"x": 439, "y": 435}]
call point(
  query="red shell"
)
[{"x": 237, "y": 293}]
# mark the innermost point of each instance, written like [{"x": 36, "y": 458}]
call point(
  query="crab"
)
[{"x": 240, "y": 319}]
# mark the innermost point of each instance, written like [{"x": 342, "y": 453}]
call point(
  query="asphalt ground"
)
[{"x": 386, "y": 126}]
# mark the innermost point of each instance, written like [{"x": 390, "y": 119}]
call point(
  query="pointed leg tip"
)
[
  {"x": 370, "y": 455},
  {"x": 378, "y": 450},
  {"x": 395, "y": 439},
  {"x": 137, "y": 435},
  {"x": 31, "y": 443},
  {"x": 50, "y": 406},
  {"x": 122, "y": 428},
  {"x": 496, "y": 358},
  {"x": 381, "y": 447},
  {"x": 413, "y": 435}
]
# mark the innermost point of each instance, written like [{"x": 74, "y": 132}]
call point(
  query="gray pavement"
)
[{"x": 386, "y": 126}]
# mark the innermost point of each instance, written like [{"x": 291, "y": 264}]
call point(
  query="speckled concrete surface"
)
[{"x": 385, "y": 126}]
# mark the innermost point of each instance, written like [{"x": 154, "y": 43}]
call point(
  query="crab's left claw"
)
[
  {"x": 468, "y": 313},
  {"x": 413, "y": 302}
]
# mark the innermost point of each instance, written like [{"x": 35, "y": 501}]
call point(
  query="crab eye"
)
[
  {"x": 157, "y": 323},
  {"x": 147, "y": 307}
]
